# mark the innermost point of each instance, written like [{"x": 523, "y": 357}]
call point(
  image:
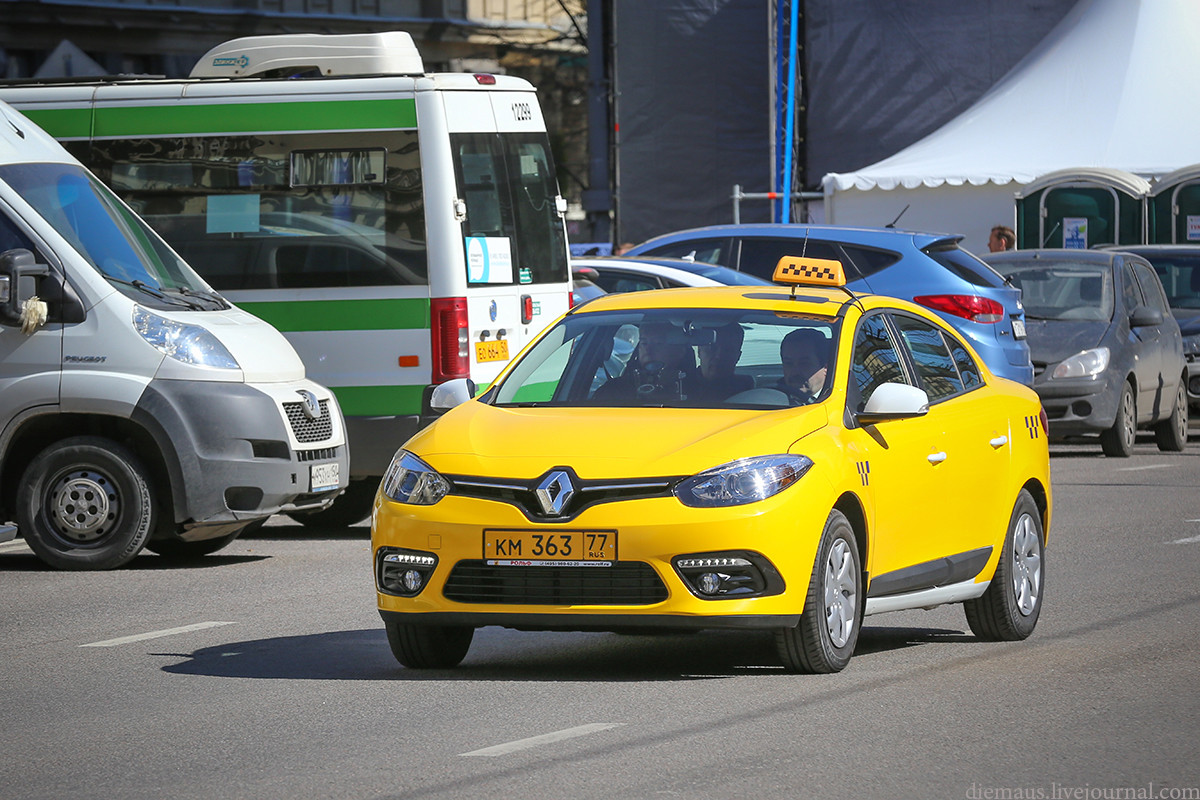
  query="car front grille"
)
[
  {"x": 625, "y": 583},
  {"x": 309, "y": 430}
]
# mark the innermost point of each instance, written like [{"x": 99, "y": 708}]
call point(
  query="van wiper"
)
[
  {"x": 155, "y": 292},
  {"x": 220, "y": 302}
]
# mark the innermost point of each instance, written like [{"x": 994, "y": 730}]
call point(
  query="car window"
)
[
  {"x": 761, "y": 254},
  {"x": 867, "y": 260},
  {"x": 875, "y": 361},
  {"x": 1151, "y": 287},
  {"x": 965, "y": 265},
  {"x": 968, "y": 370},
  {"x": 935, "y": 364},
  {"x": 711, "y": 251},
  {"x": 1129, "y": 288},
  {"x": 615, "y": 281},
  {"x": 1180, "y": 277}
]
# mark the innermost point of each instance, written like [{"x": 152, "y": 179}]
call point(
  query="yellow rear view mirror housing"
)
[{"x": 800, "y": 271}]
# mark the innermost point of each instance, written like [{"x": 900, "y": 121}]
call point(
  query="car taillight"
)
[
  {"x": 1044, "y": 420},
  {"x": 967, "y": 306},
  {"x": 449, "y": 338}
]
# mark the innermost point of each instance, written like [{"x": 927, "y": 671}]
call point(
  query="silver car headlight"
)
[
  {"x": 190, "y": 344},
  {"x": 410, "y": 480},
  {"x": 746, "y": 480},
  {"x": 1083, "y": 365}
]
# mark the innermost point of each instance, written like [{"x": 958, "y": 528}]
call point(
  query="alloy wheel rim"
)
[
  {"x": 1027, "y": 565},
  {"x": 841, "y": 594},
  {"x": 1182, "y": 416},
  {"x": 1130, "y": 429}
]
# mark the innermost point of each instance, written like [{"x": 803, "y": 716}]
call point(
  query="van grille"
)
[
  {"x": 309, "y": 430},
  {"x": 625, "y": 583}
]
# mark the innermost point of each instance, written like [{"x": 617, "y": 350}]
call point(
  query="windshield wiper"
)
[
  {"x": 155, "y": 292},
  {"x": 212, "y": 297}
]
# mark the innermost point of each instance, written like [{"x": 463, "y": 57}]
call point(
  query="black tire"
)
[
  {"x": 825, "y": 638},
  {"x": 1008, "y": 611},
  {"x": 86, "y": 503},
  {"x": 351, "y": 506},
  {"x": 1118, "y": 440},
  {"x": 1171, "y": 434},
  {"x": 429, "y": 646}
]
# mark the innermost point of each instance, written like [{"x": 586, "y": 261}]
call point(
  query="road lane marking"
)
[
  {"x": 545, "y": 738},
  {"x": 137, "y": 637},
  {"x": 1190, "y": 539},
  {"x": 1148, "y": 466}
]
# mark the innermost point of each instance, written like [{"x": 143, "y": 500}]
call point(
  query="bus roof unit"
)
[{"x": 385, "y": 53}]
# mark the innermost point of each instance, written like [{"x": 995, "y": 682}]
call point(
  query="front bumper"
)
[
  {"x": 642, "y": 588},
  {"x": 236, "y": 453},
  {"x": 1080, "y": 405}
]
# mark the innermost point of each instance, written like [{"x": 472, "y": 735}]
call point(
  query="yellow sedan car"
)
[{"x": 786, "y": 458}]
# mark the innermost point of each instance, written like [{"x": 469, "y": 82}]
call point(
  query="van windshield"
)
[{"x": 108, "y": 236}]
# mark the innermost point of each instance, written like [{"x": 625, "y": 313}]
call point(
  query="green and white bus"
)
[{"x": 400, "y": 228}]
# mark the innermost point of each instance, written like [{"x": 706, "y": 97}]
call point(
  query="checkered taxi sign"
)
[{"x": 797, "y": 271}]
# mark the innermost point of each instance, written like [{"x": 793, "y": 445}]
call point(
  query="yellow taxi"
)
[{"x": 786, "y": 458}]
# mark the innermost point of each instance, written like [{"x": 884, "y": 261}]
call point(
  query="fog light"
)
[
  {"x": 1194, "y": 384},
  {"x": 709, "y": 583},
  {"x": 413, "y": 581},
  {"x": 403, "y": 572},
  {"x": 728, "y": 575}
]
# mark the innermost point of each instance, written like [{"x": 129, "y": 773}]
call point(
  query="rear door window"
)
[
  {"x": 760, "y": 255},
  {"x": 712, "y": 251},
  {"x": 867, "y": 260}
]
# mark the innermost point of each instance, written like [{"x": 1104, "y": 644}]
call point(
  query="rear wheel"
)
[
  {"x": 1008, "y": 611},
  {"x": 177, "y": 549},
  {"x": 86, "y": 503},
  {"x": 1118, "y": 440},
  {"x": 429, "y": 646},
  {"x": 1172, "y": 433},
  {"x": 824, "y": 639},
  {"x": 351, "y": 506}
]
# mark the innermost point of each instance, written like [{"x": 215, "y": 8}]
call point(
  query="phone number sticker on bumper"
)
[
  {"x": 324, "y": 476},
  {"x": 516, "y": 548}
]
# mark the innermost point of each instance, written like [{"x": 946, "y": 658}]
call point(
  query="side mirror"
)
[
  {"x": 1145, "y": 317},
  {"x": 19, "y": 272},
  {"x": 894, "y": 401},
  {"x": 451, "y": 393}
]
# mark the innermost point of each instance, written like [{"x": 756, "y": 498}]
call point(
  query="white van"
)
[
  {"x": 138, "y": 408},
  {"x": 400, "y": 228}
]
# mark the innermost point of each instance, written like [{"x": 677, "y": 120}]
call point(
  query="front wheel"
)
[
  {"x": 86, "y": 503},
  {"x": 1118, "y": 440},
  {"x": 824, "y": 639},
  {"x": 351, "y": 506},
  {"x": 179, "y": 550},
  {"x": 1171, "y": 434},
  {"x": 429, "y": 646},
  {"x": 1008, "y": 611}
]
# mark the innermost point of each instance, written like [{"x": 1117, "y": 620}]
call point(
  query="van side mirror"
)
[
  {"x": 19, "y": 272},
  {"x": 894, "y": 401},
  {"x": 1145, "y": 317}
]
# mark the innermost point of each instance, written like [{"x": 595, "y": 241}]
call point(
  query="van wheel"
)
[
  {"x": 1118, "y": 440},
  {"x": 1171, "y": 434},
  {"x": 352, "y": 506},
  {"x": 86, "y": 503},
  {"x": 429, "y": 646},
  {"x": 179, "y": 550}
]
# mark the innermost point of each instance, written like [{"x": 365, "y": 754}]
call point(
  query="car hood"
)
[
  {"x": 1052, "y": 340},
  {"x": 479, "y": 439}
]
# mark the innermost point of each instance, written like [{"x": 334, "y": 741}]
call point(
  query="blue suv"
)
[{"x": 928, "y": 268}]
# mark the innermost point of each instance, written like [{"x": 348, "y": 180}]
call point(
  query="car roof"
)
[
  {"x": 1056, "y": 253},
  {"x": 699, "y": 273},
  {"x": 873, "y": 236}
]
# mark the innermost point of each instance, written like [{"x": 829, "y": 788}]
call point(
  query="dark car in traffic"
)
[{"x": 1107, "y": 353}]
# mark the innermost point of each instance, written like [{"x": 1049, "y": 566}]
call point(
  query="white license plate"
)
[
  {"x": 1018, "y": 328},
  {"x": 324, "y": 476}
]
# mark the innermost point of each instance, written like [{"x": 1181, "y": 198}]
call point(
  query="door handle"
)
[
  {"x": 936, "y": 458},
  {"x": 999, "y": 441}
]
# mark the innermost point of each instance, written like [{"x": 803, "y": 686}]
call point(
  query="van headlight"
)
[
  {"x": 1083, "y": 365},
  {"x": 190, "y": 344},
  {"x": 746, "y": 480},
  {"x": 410, "y": 480}
]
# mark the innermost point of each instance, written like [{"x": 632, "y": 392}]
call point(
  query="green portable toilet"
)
[
  {"x": 1082, "y": 208},
  {"x": 1174, "y": 206}
]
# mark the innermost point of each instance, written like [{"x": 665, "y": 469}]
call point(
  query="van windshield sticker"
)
[{"x": 489, "y": 259}]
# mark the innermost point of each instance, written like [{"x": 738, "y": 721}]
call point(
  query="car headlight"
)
[
  {"x": 410, "y": 480},
  {"x": 746, "y": 480},
  {"x": 190, "y": 344},
  {"x": 1083, "y": 365},
  {"x": 1191, "y": 345}
]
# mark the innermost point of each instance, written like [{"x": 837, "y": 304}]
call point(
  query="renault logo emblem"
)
[
  {"x": 309, "y": 403},
  {"x": 554, "y": 492}
]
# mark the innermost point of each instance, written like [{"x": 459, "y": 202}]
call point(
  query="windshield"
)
[
  {"x": 1063, "y": 290},
  {"x": 698, "y": 358},
  {"x": 514, "y": 234},
  {"x": 108, "y": 236}
]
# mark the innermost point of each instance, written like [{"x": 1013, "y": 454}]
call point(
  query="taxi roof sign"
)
[{"x": 802, "y": 271}]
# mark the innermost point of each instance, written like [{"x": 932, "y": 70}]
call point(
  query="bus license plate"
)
[
  {"x": 491, "y": 351},
  {"x": 324, "y": 476},
  {"x": 511, "y": 548}
]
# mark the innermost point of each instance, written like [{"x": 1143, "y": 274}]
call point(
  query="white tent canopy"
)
[{"x": 1112, "y": 86}]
